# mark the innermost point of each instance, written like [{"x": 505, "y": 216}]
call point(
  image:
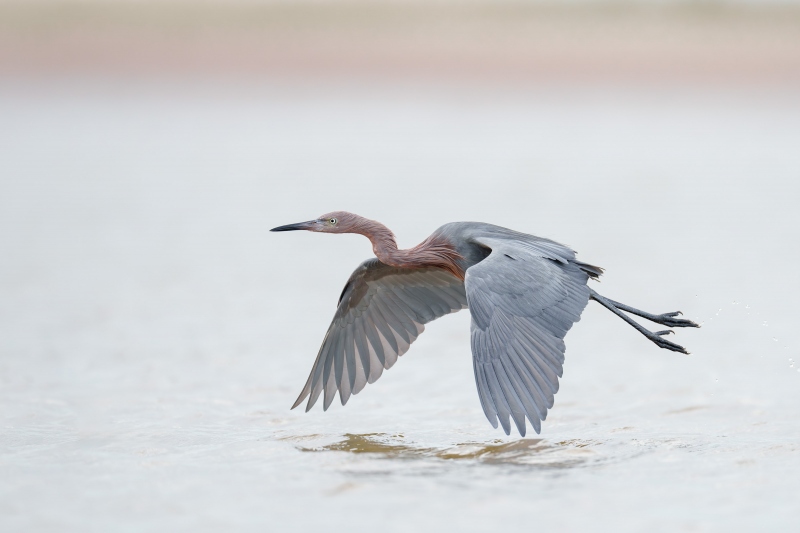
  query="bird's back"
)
[{"x": 470, "y": 241}]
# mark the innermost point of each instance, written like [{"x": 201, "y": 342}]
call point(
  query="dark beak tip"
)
[{"x": 293, "y": 227}]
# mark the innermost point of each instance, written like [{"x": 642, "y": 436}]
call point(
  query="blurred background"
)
[
  {"x": 463, "y": 41},
  {"x": 153, "y": 333}
]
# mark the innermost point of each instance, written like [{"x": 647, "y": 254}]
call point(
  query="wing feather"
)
[
  {"x": 497, "y": 397},
  {"x": 382, "y": 324},
  {"x": 530, "y": 386},
  {"x": 371, "y": 331},
  {"x": 512, "y": 398},
  {"x": 348, "y": 380},
  {"x": 524, "y": 298},
  {"x": 391, "y": 355},
  {"x": 480, "y": 381},
  {"x": 328, "y": 375},
  {"x": 382, "y": 310},
  {"x": 363, "y": 357},
  {"x": 397, "y": 313},
  {"x": 540, "y": 391}
]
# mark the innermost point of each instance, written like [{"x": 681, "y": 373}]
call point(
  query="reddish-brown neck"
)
[{"x": 432, "y": 252}]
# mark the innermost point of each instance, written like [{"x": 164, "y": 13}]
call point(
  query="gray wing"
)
[
  {"x": 382, "y": 310},
  {"x": 523, "y": 299}
]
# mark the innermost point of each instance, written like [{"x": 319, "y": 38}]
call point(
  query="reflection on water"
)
[{"x": 538, "y": 452}]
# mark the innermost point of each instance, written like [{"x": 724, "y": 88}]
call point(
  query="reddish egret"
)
[{"x": 523, "y": 292}]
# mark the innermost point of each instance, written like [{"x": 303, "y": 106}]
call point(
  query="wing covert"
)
[{"x": 381, "y": 311}]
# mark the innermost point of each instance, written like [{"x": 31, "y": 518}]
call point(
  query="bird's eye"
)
[{"x": 332, "y": 221}]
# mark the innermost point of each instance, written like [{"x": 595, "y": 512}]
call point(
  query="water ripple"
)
[{"x": 535, "y": 452}]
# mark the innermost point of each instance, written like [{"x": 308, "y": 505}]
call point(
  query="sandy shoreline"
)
[{"x": 473, "y": 42}]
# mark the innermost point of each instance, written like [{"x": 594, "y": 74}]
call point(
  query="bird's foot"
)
[
  {"x": 669, "y": 320},
  {"x": 658, "y": 339}
]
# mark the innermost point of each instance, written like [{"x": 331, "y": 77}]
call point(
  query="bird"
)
[{"x": 523, "y": 292}]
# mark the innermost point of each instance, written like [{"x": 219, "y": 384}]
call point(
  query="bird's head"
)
[{"x": 335, "y": 222}]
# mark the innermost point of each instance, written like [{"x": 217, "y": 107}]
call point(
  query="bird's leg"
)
[
  {"x": 666, "y": 319},
  {"x": 655, "y": 337}
]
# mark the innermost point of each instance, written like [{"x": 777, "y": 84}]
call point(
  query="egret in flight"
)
[{"x": 524, "y": 294}]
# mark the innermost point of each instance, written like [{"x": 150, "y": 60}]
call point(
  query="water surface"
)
[{"x": 153, "y": 333}]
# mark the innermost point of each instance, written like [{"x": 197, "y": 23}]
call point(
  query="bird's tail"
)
[{"x": 592, "y": 271}]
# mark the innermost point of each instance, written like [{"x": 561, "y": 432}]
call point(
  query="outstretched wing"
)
[
  {"x": 382, "y": 310},
  {"x": 523, "y": 299}
]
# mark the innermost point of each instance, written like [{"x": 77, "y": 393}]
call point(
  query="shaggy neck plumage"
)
[{"x": 431, "y": 252}]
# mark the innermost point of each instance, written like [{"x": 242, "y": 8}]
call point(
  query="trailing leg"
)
[
  {"x": 665, "y": 319},
  {"x": 657, "y": 336}
]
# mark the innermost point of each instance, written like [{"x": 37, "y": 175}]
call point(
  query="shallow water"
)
[{"x": 153, "y": 333}]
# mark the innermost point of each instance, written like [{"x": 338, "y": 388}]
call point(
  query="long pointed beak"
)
[{"x": 294, "y": 227}]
